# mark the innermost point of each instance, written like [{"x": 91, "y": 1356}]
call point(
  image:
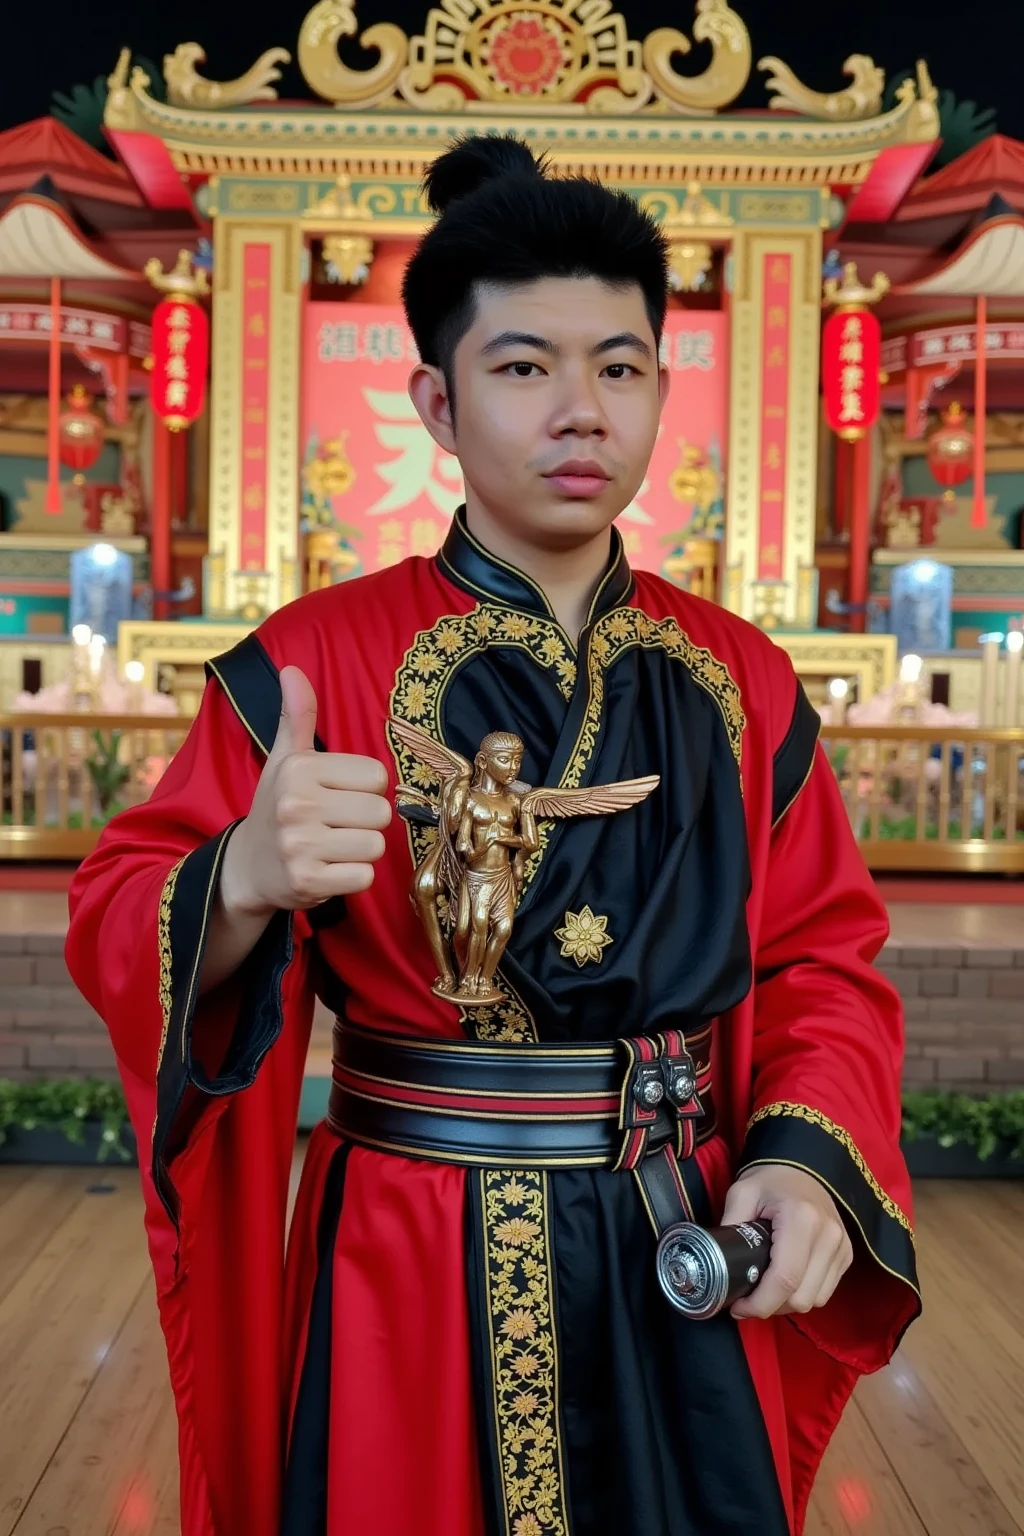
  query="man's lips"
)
[{"x": 579, "y": 477}]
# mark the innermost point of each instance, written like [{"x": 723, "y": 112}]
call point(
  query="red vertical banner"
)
[
  {"x": 255, "y": 387},
  {"x": 776, "y": 301}
]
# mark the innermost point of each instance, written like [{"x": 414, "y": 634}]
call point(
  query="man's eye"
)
[
  {"x": 521, "y": 370},
  {"x": 619, "y": 370}
]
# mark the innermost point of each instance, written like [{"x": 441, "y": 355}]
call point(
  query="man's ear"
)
[
  {"x": 664, "y": 383},
  {"x": 429, "y": 394}
]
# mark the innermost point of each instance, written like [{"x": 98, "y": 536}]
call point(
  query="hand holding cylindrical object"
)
[{"x": 703, "y": 1270}]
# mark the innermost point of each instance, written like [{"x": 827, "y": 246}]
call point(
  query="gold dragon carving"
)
[
  {"x": 327, "y": 23},
  {"x": 186, "y": 87},
  {"x": 726, "y": 75},
  {"x": 862, "y": 98}
]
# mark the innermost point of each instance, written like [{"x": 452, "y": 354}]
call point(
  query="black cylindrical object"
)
[{"x": 702, "y": 1270}]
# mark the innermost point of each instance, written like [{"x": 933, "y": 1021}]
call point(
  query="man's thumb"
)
[
  {"x": 297, "y": 729},
  {"x": 743, "y": 1202}
]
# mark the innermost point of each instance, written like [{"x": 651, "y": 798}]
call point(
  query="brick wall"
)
[
  {"x": 965, "y": 1016},
  {"x": 47, "y": 1029}
]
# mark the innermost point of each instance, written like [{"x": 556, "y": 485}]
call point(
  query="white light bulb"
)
[
  {"x": 910, "y": 669},
  {"x": 839, "y": 687}
]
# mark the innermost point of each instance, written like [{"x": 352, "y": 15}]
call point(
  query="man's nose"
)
[{"x": 580, "y": 410}]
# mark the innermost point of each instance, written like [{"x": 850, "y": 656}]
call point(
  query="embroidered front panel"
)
[
  {"x": 823, "y": 1123},
  {"x": 524, "y": 1353},
  {"x": 583, "y": 937},
  {"x": 623, "y": 628}
]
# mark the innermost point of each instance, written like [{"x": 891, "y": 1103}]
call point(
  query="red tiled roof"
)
[
  {"x": 45, "y": 147},
  {"x": 996, "y": 165}
]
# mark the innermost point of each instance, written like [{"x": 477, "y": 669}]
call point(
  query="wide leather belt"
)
[{"x": 492, "y": 1105}]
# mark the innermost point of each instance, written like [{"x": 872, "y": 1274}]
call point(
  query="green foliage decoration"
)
[
  {"x": 962, "y": 124},
  {"x": 81, "y": 109},
  {"x": 986, "y": 1125},
  {"x": 68, "y": 1105}
]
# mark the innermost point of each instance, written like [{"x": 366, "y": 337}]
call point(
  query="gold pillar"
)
[
  {"x": 258, "y": 562},
  {"x": 788, "y": 596}
]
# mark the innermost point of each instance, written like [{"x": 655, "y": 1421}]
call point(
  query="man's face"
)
[{"x": 558, "y": 392}]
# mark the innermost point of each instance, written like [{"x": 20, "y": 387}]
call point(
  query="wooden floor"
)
[{"x": 934, "y": 1446}]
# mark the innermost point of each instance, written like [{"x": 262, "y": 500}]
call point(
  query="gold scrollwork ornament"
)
[
  {"x": 467, "y": 885},
  {"x": 861, "y": 99},
  {"x": 187, "y": 88},
  {"x": 327, "y": 23},
  {"x": 726, "y": 75}
]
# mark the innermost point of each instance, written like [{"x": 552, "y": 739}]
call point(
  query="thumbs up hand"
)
[{"x": 315, "y": 829}]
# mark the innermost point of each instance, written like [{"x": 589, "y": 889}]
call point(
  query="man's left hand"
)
[{"x": 810, "y": 1248}]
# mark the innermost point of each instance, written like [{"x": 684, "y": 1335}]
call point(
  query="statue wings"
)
[
  {"x": 431, "y": 753},
  {"x": 599, "y": 800},
  {"x": 547, "y": 804}
]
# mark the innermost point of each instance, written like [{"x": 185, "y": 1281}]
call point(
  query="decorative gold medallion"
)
[
  {"x": 584, "y": 936},
  {"x": 467, "y": 886}
]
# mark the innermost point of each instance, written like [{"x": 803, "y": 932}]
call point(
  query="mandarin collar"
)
[{"x": 464, "y": 560}]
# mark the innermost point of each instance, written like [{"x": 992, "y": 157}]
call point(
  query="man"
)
[{"x": 469, "y": 1338}]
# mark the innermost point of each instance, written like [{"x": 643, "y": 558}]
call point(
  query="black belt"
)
[{"x": 487, "y": 1105}]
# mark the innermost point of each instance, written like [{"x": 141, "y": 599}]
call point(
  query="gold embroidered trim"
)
[
  {"x": 625, "y": 627},
  {"x": 822, "y": 1121},
  {"x": 163, "y": 938},
  {"x": 524, "y": 1353}
]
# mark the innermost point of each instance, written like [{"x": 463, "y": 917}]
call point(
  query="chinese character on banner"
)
[
  {"x": 425, "y": 537},
  {"x": 338, "y": 343},
  {"x": 419, "y": 468},
  {"x": 390, "y": 543},
  {"x": 384, "y": 344},
  {"x": 695, "y": 349}
]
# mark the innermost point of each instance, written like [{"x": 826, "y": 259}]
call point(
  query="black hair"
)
[{"x": 503, "y": 220}]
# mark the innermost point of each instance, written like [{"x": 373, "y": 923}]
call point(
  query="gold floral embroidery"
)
[
  {"x": 625, "y": 627},
  {"x": 524, "y": 1356},
  {"x": 507, "y": 1021},
  {"x": 822, "y": 1121},
  {"x": 163, "y": 938},
  {"x": 584, "y": 936}
]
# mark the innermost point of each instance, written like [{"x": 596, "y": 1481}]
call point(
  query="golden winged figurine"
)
[{"x": 468, "y": 885}]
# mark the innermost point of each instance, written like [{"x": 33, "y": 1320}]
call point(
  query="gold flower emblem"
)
[
  {"x": 584, "y": 936},
  {"x": 517, "y": 1231}
]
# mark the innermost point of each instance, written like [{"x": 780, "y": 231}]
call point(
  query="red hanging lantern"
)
[
  {"x": 950, "y": 451},
  {"x": 181, "y": 343},
  {"x": 851, "y": 355},
  {"x": 851, "y": 360},
  {"x": 181, "y": 352},
  {"x": 79, "y": 434}
]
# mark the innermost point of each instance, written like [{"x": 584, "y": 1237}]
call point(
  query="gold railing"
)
[
  {"x": 924, "y": 797},
  {"x": 918, "y": 797},
  {"x": 62, "y": 777}
]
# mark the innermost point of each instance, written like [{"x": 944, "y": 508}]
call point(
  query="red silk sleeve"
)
[
  {"x": 140, "y": 911},
  {"x": 827, "y": 1059}
]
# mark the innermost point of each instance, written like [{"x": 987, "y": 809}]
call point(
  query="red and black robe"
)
[{"x": 461, "y": 1352}]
